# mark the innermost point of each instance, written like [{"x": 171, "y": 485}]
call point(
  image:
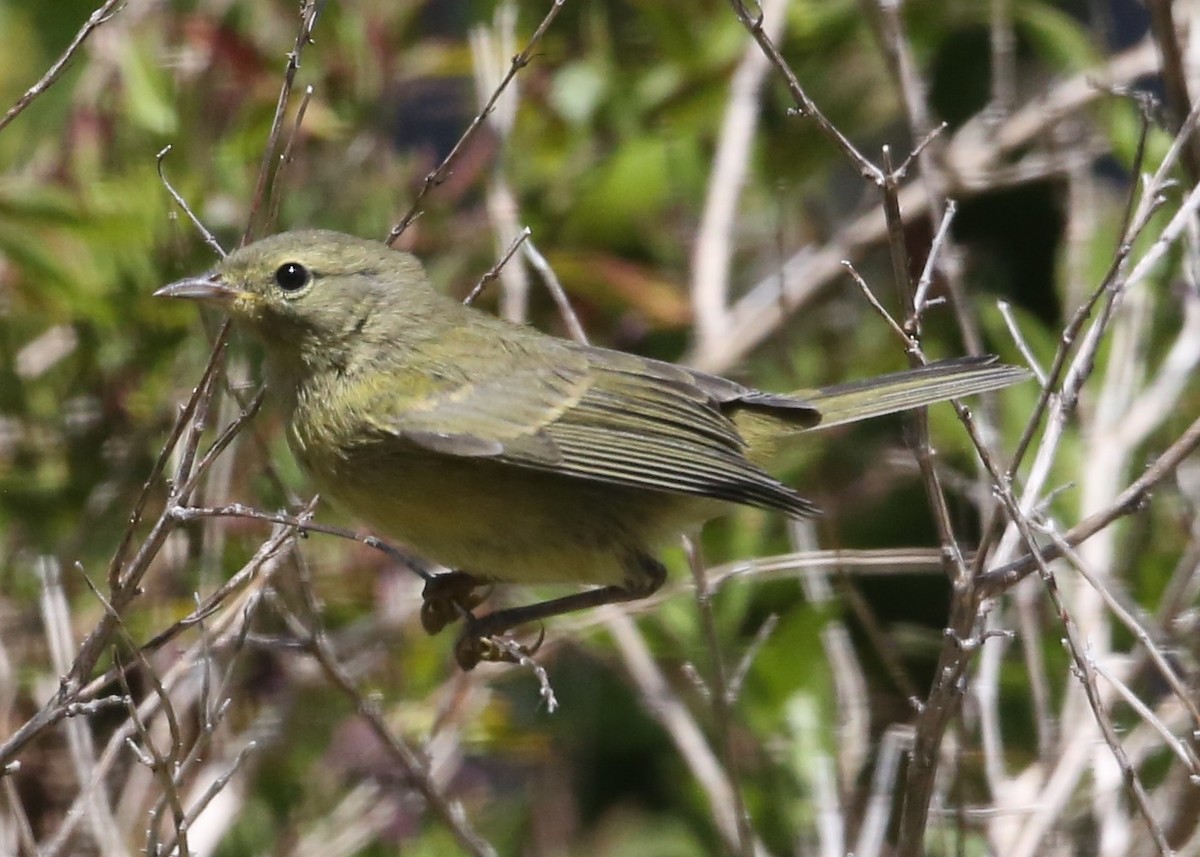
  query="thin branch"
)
[
  {"x": 970, "y": 152},
  {"x": 896, "y": 743},
  {"x": 664, "y": 704},
  {"x": 953, "y": 663},
  {"x": 303, "y": 525},
  {"x": 804, "y": 105},
  {"x": 209, "y": 238},
  {"x": 720, "y": 698},
  {"x": 219, "y": 445},
  {"x": 1065, "y": 393},
  {"x": 285, "y": 161},
  {"x": 164, "y": 766},
  {"x": 214, "y": 788},
  {"x": 25, "y": 837},
  {"x": 493, "y": 273},
  {"x": 1003, "y": 44},
  {"x": 56, "y": 617},
  {"x": 100, "y": 16},
  {"x": 557, "y": 293},
  {"x": 235, "y": 617},
  {"x": 1125, "y": 608},
  {"x": 1018, "y": 338},
  {"x": 490, "y": 48},
  {"x": 905, "y": 339},
  {"x": 1129, "y": 501},
  {"x": 1174, "y": 75},
  {"x": 439, "y": 173},
  {"x": 309, "y": 10},
  {"x": 72, "y": 690},
  {"x": 939, "y": 239},
  {"x": 409, "y": 760},
  {"x": 712, "y": 251},
  {"x": 1182, "y": 751}
]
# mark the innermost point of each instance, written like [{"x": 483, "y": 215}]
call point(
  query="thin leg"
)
[
  {"x": 448, "y": 596},
  {"x": 475, "y": 643}
]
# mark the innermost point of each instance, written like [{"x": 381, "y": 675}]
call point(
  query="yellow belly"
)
[{"x": 502, "y": 521}]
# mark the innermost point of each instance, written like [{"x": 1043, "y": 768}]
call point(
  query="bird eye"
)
[{"x": 292, "y": 276}]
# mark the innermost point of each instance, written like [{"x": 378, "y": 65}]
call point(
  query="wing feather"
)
[
  {"x": 665, "y": 464},
  {"x": 602, "y": 416}
]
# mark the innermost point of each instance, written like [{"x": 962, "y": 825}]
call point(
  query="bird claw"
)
[
  {"x": 448, "y": 596},
  {"x": 455, "y": 594},
  {"x": 473, "y": 647}
]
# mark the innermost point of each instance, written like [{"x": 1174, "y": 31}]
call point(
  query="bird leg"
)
[
  {"x": 476, "y": 642},
  {"x": 448, "y": 596}
]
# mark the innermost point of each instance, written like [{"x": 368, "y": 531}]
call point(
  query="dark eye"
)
[{"x": 292, "y": 276}]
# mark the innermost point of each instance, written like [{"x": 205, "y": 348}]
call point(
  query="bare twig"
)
[
  {"x": 56, "y": 617},
  {"x": 25, "y": 837},
  {"x": 712, "y": 251},
  {"x": 1086, "y": 673},
  {"x": 164, "y": 765},
  {"x": 250, "y": 581},
  {"x": 896, "y": 743},
  {"x": 1003, "y": 45},
  {"x": 939, "y": 239},
  {"x": 906, "y": 72},
  {"x": 285, "y": 159},
  {"x": 490, "y": 48},
  {"x": 1027, "y": 354},
  {"x": 557, "y": 293},
  {"x": 521, "y": 656},
  {"x": 804, "y": 105},
  {"x": 1125, "y": 608},
  {"x": 220, "y": 444},
  {"x": 664, "y": 704},
  {"x": 1129, "y": 501},
  {"x": 905, "y": 339},
  {"x": 209, "y": 238},
  {"x": 309, "y": 10},
  {"x": 1065, "y": 393},
  {"x": 1174, "y": 77},
  {"x": 202, "y": 389},
  {"x": 210, "y": 792},
  {"x": 493, "y": 273},
  {"x": 100, "y": 16},
  {"x": 935, "y": 716},
  {"x": 719, "y": 698},
  {"x": 737, "y": 678},
  {"x": 1182, "y": 751},
  {"x": 439, "y": 173},
  {"x": 408, "y": 759},
  {"x": 303, "y": 525},
  {"x": 970, "y": 153}
]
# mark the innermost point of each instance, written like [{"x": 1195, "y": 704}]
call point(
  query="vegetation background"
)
[{"x": 176, "y": 674}]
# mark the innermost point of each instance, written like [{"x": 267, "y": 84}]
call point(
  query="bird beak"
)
[{"x": 206, "y": 287}]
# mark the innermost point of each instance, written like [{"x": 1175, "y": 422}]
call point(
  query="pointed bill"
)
[{"x": 206, "y": 287}]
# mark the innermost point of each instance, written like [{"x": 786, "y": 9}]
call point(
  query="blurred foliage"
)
[{"x": 609, "y": 161}]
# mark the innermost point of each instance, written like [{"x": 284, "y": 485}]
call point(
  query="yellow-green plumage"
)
[{"x": 500, "y": 450}]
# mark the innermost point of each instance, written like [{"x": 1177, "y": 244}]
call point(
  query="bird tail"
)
[{"x": 913, "y": 388}]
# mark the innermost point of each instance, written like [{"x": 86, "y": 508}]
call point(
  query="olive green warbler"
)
[{"x": 506, "y": 453}]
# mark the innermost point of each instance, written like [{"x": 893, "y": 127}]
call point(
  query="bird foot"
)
[
  {"x": 448, "y": 596},
  {"x": 475, "y": 645}
]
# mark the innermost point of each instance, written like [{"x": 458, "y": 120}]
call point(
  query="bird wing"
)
[{"x": 602, "y": 416}]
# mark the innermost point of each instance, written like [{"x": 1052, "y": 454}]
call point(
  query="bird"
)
[{"x": 507, "y": 454}]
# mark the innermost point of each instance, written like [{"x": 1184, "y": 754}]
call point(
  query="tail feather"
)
[{"x": 912, "y": 388}]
